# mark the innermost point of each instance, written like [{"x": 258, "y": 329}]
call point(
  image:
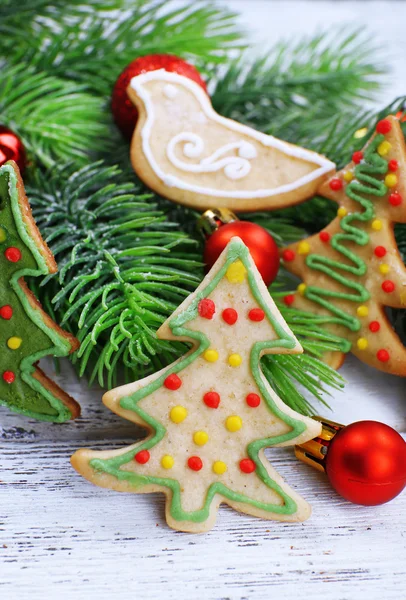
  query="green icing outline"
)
[
  {"x": 362, "y": 184},
  {"x": 61, "y": 347},
  {"x": 235, "y": 250}
]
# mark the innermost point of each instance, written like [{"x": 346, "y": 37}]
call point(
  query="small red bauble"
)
[
  {"x": 260, "y": 243},
  {"x": 384, "y": 126},
  {"x": 247, "y": 465},
  {"x": 124, "y": 112},
  {"x": 12, "y": 254},
  {"x": 393, "y": 165},
  {"x": 336, "y": 184},
  {"x": 253, "y": 400},
  {"x": 211, "y": 399},
  {"x": 388, "y": 286},
  {"x": 256, "y": 314},
  {"x": 324, "y": 236},
  {"x": 195, "y": 463},
  {"x": 380, "y": 251},
  {"x": 6, "y": 312},
  {"x": 206, "y": 308},
  {"x": 230, "y": 316},
  {"x": 288, "y": 255},
  {"x": 142, "y": 457},
  {"x": 366, "y": 463},
  {"x": 374, "y": 326},
  {"x": 8, "y": 376},
  {"x": 395, "y": 199},
  {"x": 289, "y": 299},
  {"x": 383, "y": 355},
  {"x": 357, "y": 157},
  {"x": 11, "y": 148},
  {"x": 172, "y": 382}
]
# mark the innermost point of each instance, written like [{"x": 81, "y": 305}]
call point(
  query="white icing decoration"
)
[
  {"x": 235, "y": 167},
  {"x": 267, "y": 140},
  {"x": 170, "y": 91}
]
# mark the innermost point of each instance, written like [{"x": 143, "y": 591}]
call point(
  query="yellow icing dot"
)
[
  {"x": 219, "y": 467},
  {"x": 3, "y": 235},
  {"x": 362, "y": 311},
  {"x": 167, "y": 461},
  {"x": 233, "y": 423},
  {"x": 301, "y": 288},
  {"x": 303, "y": 248},
  {"x": 234, "y": 360},
  {"x": 14, "y": 343},
  {"x": 236, "y": 272},
  {"x": 376, "y": 225},
  {"x": 200, "y": 438},
  {"x": 348, "y": 176},
  {"x": 362, "y": 343},
  {"x": 391, "y": 180},
  {"x": 178, "y": 414},
  {"x": 384, "y": 268},
  {"x": 341, "y": 212},
  {"x": 211, "y": 355},
  {"x": 384, "y": 148},
  {"x": 360, "y": 133}
]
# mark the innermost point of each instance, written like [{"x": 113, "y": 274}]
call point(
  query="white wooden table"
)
[{"x": 60, "y": 537}]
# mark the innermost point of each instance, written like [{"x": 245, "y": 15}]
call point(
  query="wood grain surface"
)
[{"x": 61, "y": 538}]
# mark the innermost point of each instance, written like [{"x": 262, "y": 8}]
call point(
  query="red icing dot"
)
[
  {"x": 211, "y": 399},
  {"x": 6, "y": 312},
  {"x": 256, "y": 314},
  {"x": 357, "y": 157},
  {"x": 380, "y": 251},
  {"x": 206, "y": 308},
  {"x": 388, "y": 286},
  {"x": 9, "y": 376},
  {"x": 253, "y": 400},
  {"x": 384, "y": 126},
  {"x": 374, "y": 326},
  {"x": 324, "y": 236},
  {"x": 289, "y": 299},
  {"x": 288, "y": 255},
  {"x": 247, "y": 465},
  {"x": 383, "y": 355},
  {"x": 195, "y": 463},
  {"x": 336, "y": 184},
  {"x": 172, "y": 382},
  {"x": 13, "y": 254},
  {"x": 393, "y": 165},
  {"x": 395, "y": 199},
  {"x": 229, "y": 315},
  {"x": 142, "y": 457}
]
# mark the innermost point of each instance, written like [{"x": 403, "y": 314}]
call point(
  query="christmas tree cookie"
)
[
  {"x": 211, "y": 414},
  {"x": 352, "y": 269},
  {"x": 27, "y": 333}
]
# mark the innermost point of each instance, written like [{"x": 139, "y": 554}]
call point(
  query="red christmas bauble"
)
[
  {"x": 366, "y": 463},
  {"x": 11, "y": 148},
  {"x": 124, "y": 112},
  {"x": 260, "y": 243}
]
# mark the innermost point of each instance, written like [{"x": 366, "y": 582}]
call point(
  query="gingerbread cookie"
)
[
  {"x": 352, "y": 269},
  {"x": 185, "y": 151},
  {"x": 211, "y": 414},
  {"x": 27, "y": 333}
]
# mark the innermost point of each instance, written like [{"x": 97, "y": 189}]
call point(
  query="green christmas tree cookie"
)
[
  {"x": 211, "y": 414},
  {"x": 27, "y": 333}
]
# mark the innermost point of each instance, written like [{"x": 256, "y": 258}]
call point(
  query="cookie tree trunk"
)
[{"x": 211, "y": 413}]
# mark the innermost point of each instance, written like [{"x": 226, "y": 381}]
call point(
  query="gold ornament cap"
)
[
  {"x": 213, "y": 219},
  {"x": 314, "y": 451}
]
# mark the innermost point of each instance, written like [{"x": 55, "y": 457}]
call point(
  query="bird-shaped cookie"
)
[{"x": 185, "y": 151}]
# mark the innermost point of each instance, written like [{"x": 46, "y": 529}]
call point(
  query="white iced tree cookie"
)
[
  {"x": 211, "y": 414},
  {"x": 185, "y": 151}
]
